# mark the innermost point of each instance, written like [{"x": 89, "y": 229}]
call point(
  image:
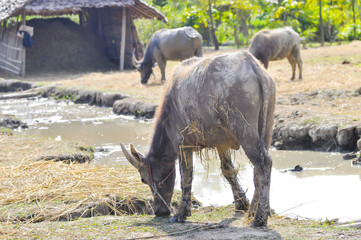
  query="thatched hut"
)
[{"x": 106, "y": 24}]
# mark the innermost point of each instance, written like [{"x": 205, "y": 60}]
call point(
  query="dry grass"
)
[
  {"x": 64, "y": 186},
  {"x": 38, "y": 190},
  {"x": 17, "y": 147},
  {"x": 323, "y": 69}
]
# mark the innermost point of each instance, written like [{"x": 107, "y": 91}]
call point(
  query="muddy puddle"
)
[{"x": 328, "y": 187}]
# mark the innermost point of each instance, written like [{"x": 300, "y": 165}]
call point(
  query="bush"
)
[{"x": 347, "y": 32}]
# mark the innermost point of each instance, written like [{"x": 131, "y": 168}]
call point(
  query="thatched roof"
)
[
  {"x": 7, "y": 8},
  {"x": 138, "y": 8},
  {"x": 143, "y": 10}
]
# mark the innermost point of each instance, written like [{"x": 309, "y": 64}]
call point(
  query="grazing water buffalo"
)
[
  {"x": 221, "y": 102},
  {"x": 276, "y": 44},
  {"x": 168, "y": 44}
]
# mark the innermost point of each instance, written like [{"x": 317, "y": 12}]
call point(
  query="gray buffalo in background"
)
[
  {"x": 276, "y": 44},
  {"x": 168, "y": 44}
]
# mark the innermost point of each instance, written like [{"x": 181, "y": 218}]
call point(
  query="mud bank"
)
[
  {"x": 121, "y": 104},
  {"x": 12, "y": 123},
  {"x": 14, "y": 86},
  {"x": 313, "y": 121},
  {"x": 112, "y": 206},
  {"x": 328, "y": 138},
  {"x": 290, "y": 133}
]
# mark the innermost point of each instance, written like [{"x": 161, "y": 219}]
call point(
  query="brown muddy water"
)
[{"x": 328, "y": 187}]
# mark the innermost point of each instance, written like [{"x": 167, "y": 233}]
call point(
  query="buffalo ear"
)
[{"x": 135, "y": 158}]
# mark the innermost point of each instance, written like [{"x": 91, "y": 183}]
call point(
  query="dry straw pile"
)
[{"x": 46, "y": 190}]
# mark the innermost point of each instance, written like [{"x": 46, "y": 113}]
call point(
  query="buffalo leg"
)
[
  {"x": 262, "y": 162},
  {"x": 161, "y": 63},
  {"x": 255, "y": 199},
  {"x": 163, "y": 73},
  {"x": 186, "y": 171},
  {"x": 228, "y": 171},
  {"x": 162, "y": 70},
  {"x": 198, "y": 52},
  {"x": 292, "y": 61},
  {"x": 265, "y": 63},
  {"x": 297, "y": 55}
]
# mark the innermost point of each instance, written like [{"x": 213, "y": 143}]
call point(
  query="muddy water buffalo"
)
[
  {"x": 276, "y": 44},
  {"x": 221, "y": 102},
  {"x": 168, "y": 44}
]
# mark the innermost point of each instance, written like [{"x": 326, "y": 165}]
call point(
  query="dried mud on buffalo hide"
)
[{"x": 61, "y": 45}]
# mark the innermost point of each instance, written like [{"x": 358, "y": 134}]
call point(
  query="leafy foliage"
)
[{"x": 236, "y": 21}]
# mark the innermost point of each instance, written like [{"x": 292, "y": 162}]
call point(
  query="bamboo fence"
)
[{"x": 12, "y": 52}]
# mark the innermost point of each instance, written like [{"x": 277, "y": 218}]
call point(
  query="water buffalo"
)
[
  {"x": 222, "y": 102},
  {"x": 168, "y": 44},
  {"x": 276, "y": 44}
]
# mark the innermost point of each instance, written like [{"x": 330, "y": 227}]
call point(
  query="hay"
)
[
  {"x": 48, "y": 190},
  {"x": 33, "y": 191}
]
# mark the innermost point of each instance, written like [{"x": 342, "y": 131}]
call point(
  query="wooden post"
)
[
  {"x": 122, "y": 40},
  {"x": 24, "y": 51}
]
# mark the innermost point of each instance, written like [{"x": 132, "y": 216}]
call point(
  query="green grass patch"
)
[
  {"x": 314, "y": 120},
  {"x": 6, "y": 131}
]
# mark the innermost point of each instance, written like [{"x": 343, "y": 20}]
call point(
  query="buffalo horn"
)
[
  {"x": 135, "y": 61},
  {"x": 136, "y": 163}
]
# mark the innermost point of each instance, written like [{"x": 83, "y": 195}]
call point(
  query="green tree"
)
[
  {"x": 208, "y": 7},
  {"x": 213, "y": 30},
  {"x": 354, "y": 18},
  {"x": 235, "y": 21},
  {"x": 160, "y": 3},
  {"x": 322, "y": 35}
]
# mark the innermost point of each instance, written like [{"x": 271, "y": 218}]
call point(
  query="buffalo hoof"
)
[
  {"x": 176, "y": 219},
  {"x": 259, "y": 223}
]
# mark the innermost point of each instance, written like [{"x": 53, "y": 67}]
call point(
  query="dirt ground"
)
[
  {"x": 329, "y": 68},
  {"x": 327, "y": 92}
]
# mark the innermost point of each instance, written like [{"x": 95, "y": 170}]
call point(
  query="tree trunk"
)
[
  {"x": 236, "y": 38},
  {"x": 213, "y": 31},
  {"x": 322, "y": 36},
  {"x": 244, "y": 27},
  {"x": 354, "y": 19}
]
